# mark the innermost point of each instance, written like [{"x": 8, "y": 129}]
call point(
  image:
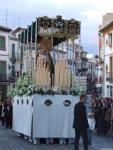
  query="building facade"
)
[
  {"x": 9, "y": 58},
  {"x": 4, "y": 59},
  {"x": 15, "y": 53},
  {"x": 106, "y": 53}
]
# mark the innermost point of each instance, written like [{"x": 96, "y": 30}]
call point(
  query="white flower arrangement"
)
[{"x": 24, "y": 86}]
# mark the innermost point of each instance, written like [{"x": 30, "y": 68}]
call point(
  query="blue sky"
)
[{"x": 89, "y": 12}]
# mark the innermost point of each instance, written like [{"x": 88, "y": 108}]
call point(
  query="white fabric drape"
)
[
  {"x": 51, "y": 121},
  {"x": 55, "y": 120},
  {"x": 22, "y": 115}
]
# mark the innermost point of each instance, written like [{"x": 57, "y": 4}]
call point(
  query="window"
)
[
  {"x": 110, "y": 39},
  {"x": 19, "y": 37},
  {"x": 13, "y": 70},
  {"x": 13, "y": 50},
  {"x": 111, "y": 91},
  {"x": 2, "y": 70},
  {"x": 2, "y": 66},
  {"x": 77, "y": 54},
  {"x": 111, "y": 67},
  {"x": 108, "y": 91},
  {"x": 2, "y": 43}
]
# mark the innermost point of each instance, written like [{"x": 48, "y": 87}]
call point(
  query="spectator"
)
[{"x": 91, "y": 122}]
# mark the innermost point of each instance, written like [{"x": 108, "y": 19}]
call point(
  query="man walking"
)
[{"x": 80, "y": 123}]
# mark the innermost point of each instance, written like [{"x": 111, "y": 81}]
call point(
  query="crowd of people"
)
[
  {"x": 102, "y": 108},
  {"x": 99, "y": 120},
  {"x": 6, "y": 113}
]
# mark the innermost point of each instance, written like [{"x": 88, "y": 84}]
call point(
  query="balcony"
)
[
  {"x": 15, "y": 57},
  {"x": 5, "y": 78},
  {"x": 109, "y": 77},
  {"x": 84, "y": 59}
]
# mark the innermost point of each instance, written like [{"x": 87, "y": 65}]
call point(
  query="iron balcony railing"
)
[
  {"x": 109, "y": 77},
  {"x": 6, "y": 77},
  {"x": 3, "y": 77}
]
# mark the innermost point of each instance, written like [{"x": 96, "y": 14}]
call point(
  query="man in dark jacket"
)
[
  {"x": 80, "y": 123},
  {"x": 8, "y": 115}
]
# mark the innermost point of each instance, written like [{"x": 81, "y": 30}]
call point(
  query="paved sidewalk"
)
[{"x": 10, "y": 141}]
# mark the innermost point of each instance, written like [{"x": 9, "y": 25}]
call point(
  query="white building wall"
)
[
  {"x": 7, "y": 54},
  {"x": 108, "y": 51},
  {"x": 4, "y": 55}
]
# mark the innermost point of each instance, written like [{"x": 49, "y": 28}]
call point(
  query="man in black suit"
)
[{"x": 80, "y": 123}]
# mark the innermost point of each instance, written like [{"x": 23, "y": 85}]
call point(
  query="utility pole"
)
[
  {"x": 6, "y": 17},
  {"x": 19, "y": 22}
]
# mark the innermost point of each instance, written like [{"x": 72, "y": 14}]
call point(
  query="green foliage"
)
[
  {"x": 73, "y": 92},
  {"x": 50, "y": 92},
  {"x": 64, "y": 92},
  {"x": 40, "y": 91},
  {"x": 23, "y": 86}
]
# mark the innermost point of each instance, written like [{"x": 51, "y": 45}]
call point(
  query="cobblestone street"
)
[{"x": 10, "y": 141}]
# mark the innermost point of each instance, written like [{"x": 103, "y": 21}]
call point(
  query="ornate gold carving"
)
[{"x": 45, "y": 22}]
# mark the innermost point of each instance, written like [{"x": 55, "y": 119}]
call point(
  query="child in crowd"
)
[{"x": 91, "y": 122}]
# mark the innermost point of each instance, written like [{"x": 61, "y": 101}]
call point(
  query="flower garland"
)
[{"x": 25, "y": 86}]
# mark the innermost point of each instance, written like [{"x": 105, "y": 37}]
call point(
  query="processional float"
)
[
  {"x": 45, "y": 51},
  {"x": 45, "y": 54}
]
